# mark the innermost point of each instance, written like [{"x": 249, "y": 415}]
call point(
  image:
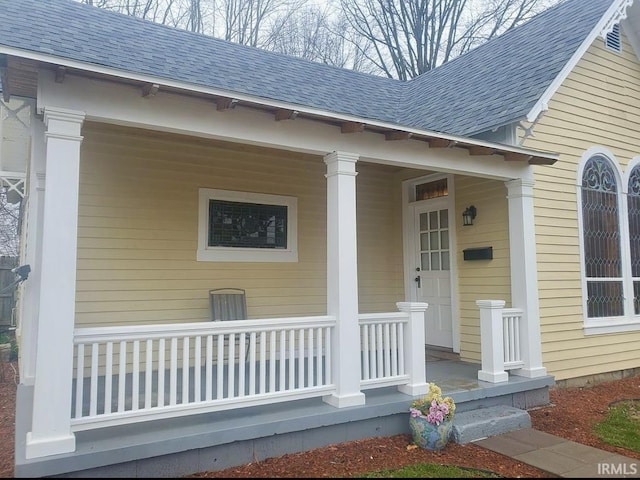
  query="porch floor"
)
[{"x": 214, "y": 441}]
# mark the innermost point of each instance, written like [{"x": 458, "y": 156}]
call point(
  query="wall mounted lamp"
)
[{"x": 468, "y": 215}]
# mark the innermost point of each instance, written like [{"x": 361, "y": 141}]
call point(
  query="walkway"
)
[{"x": 561, "y": 457}]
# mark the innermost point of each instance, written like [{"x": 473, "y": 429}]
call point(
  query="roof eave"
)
[{"x": 510, "y": 153}]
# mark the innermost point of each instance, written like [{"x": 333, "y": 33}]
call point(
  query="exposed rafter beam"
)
[
  {"x": 398, "y": 135},
  {"x": 517, "y": 157},
  {"x": 61, "y": 73},
  {"x": 352, "y": 127},
  {"x": 538, "y": 161},
  {"x": 150, "y": 89},
  {"x": 285, "y": 114},
  {"x": 4, "y": 78},
  {"x": 226, "y": 103},
  {"x": 480, "y": 150},
  {"x": 440, "y": 143}
]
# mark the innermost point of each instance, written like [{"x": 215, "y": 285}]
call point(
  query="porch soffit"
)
[{"x": 21, "y": 76}]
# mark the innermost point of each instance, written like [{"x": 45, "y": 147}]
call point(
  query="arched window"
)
[
  {"x": 633, "y": 202},
  {"x": 601, "y": 239}
]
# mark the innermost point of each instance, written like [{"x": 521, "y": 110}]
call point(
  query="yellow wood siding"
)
[
  {"x": 481, "y": 279},
  {"x": 138, "y": 225},
  {"x": 598, "y": 104}
]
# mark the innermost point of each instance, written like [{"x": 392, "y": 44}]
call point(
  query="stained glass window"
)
[
  {"x": 601, "y": 239},
  {"x": 634, "y": 234}
]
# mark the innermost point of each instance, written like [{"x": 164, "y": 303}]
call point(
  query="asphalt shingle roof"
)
[
  {"x": 500, "y": 81},
  {"x": 494, "y": 84}
]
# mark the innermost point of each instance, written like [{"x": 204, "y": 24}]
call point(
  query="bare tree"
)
[
  {"x": 317, "y": 34},
  {"x": 409, "y": 37}
]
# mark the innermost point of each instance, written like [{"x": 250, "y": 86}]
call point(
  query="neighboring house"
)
[{"x": 165, "y": 164}]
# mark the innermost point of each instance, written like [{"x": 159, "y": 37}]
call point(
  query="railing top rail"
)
[
  {"x": 512, "y": 311},
  {"x": 370, "y": 318},
  {"x": 146, "y": 332}
]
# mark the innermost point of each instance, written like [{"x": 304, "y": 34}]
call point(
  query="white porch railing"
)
[
  {"x": 500, "y": 340},
  {"x": 160, "y": 371},
  {"x": 134, "y": 373},
  {"x": 382, "y": 346}
]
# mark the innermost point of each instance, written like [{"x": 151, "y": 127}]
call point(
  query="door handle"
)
[{"x": 418, "y": 280}]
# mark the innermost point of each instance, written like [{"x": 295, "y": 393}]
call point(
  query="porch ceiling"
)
[{"x": 20, "y": 76}]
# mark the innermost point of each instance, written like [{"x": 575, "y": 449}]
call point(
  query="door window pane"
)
[
  {"x": 445, "y": 261},
  {"x": 435, "y": 261},
  {"x": 425, "y": 261},
  {"x": 444, "y": 239},
  {"x": 424, "y": 222},
  {"x": 433, "y": 220},
  {"x": 444, "y": 219},
  {"x": 435, "y": 243},
  {"x": 424, "y": 241}
]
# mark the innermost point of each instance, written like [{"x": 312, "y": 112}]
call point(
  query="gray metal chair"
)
[{"x": 227, "y": 304}]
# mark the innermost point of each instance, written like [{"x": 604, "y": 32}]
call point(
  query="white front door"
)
[{"x": 433, "y": 270}]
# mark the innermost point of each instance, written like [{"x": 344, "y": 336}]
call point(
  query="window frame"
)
[
  {"x": 206, "y": 253},
  {"x": 628, "y": 321}
]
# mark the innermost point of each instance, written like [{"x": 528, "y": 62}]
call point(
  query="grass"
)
[
  {"x": 621, "y": 426},
  {"x": 431, "y": 470}
]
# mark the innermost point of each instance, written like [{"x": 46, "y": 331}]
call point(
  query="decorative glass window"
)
[
  {"x": 251, "y": 227},
  {"x": 601, "y": 239},
  {"x": 633, "y": 199},
  {"x": 435, "y": 189}
]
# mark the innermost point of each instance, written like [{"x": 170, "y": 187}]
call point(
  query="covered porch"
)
[
  {"x": 115, "y": 330},
  {"x": 175, "y": 446}
]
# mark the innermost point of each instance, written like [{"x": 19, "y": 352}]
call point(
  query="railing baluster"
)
[
  {"x": 209, "y": 368},
  {"x": 161, "y": 371},
  {"x": 241, "y": 364},
  {"x": 173, "y": 372},
  {"x": 79, "y": 380},
  {"x": 263, "y": 362},
  {"x": 394, "y": 349},
  {"x": 301, "y": 358},
  {"x": 122, "y": 376},
  {"x": 186, "y": 353},
  {"x": 516, "y": 338},
  {"x": 135, "y": 394},
  {"x": 108, "y": 378},
  {"x": 148, "y": 379},
  {"x": 220, "y": 367},
  {"x": 231, "y": 367},
  {"x": 272, "y": 361},
  {"x": 93, "y": 391},
  {"x": 379, "y": 351},
  {"x": 387, "y": 351},
  {"x": 366, "y": 373},
  {"x": 252, "y": 363},
  {"x": 372, "y": 352},
  {"x": 401, "y": 369},
  {"x": 310, "y": 358},
  {"x": 282, "y": 351},
  {"x": 197, "y": 370},
  {"x": 319, "y": 355},
  {"x": 328, "y": 357},
  {"x": 292, "y": 359}
]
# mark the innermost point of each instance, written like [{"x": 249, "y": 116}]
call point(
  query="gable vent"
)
[{"x": 613, "y": 39}]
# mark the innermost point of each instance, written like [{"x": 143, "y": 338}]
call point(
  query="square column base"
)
[
  {"x": 530, "y": 372},
  {"x": 491, "y": 377},
  {"x": 414, "y": 390},
  {"x": 345, "y": 400},
  {"x": 43, "y": 447}
]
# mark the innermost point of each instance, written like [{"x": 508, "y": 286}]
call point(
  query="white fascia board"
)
[
  {"x": 261, "y": 101},
  {"x": 543, "y": 103},
  {"x": 121, "y": 104}
]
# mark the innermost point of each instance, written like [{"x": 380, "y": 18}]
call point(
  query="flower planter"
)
[{"x": 430, "y": 436}]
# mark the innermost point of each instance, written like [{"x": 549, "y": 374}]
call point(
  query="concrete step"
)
[{"x": 486, "y": 422}]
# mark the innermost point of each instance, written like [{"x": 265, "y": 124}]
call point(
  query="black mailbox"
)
[{"x": 479, "y": 253}]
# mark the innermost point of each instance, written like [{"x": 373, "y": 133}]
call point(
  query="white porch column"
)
[
  {"x": 414, "y": 358},
  {"x": 491, "y": 341},
  {"x": 51, "y": 423},
  {"x": 342, "y": 278},
  {"x": 30, "y": 290},
  {"x": 524, "y": 277}
]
